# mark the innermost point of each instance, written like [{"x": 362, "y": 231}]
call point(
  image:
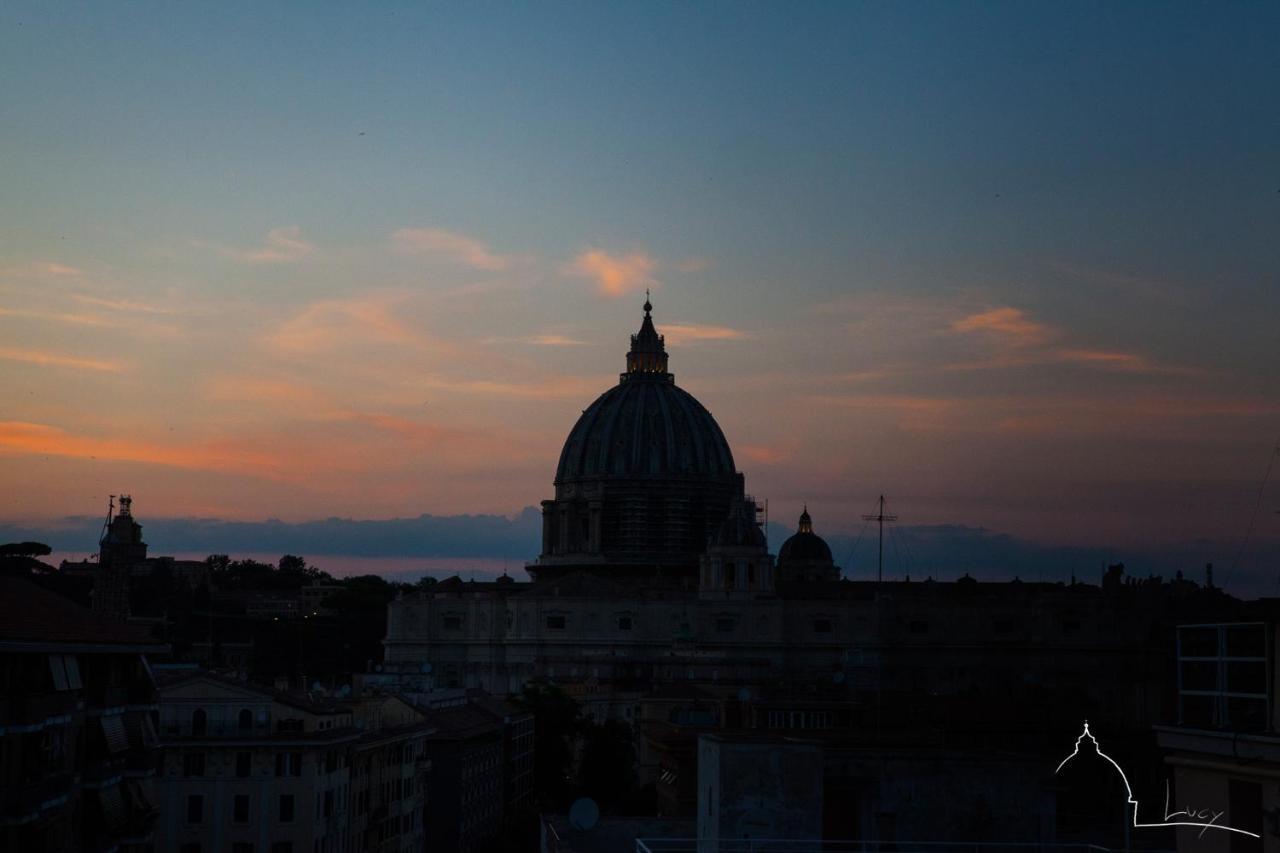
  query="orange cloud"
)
[
  {"x": 74, "y": 319},
  {"x": 42, "y": 270},
  {"x": 30, "y": 438},
  {"x": 281, "y": 246},
  {"x": 682, "y": 333},
  {"x": 459, "y": 248},
  {"x": 50, "y": 359},
  {"x": 125, "y": 305},
  {"x": 554, "y": 341},
  {"x": 258, "y": 389},
  {"x": 761, "y": 455},
  {"x": 566, "y": 387},
  {"x": 1009, "y": 324},
  {"x": 615, "y": 275},
  {"x": 322, "y": 325}
]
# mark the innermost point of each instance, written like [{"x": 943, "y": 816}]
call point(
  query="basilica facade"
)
[
  {"x": 655, "y": 572},
  {"x": 654, "y": 566}
]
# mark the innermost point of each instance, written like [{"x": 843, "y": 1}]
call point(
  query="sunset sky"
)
[{"x": 1015, "y": 265}]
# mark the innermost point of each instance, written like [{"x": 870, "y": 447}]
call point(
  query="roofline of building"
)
[{"x": 59, "y": 647}]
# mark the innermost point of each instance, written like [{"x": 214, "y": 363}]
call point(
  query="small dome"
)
[{"x": 805, "y": 545}]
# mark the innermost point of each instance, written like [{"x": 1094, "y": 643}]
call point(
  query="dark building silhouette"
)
[
  {"x": 78, "y": 747},
  {"x": 644, "y": 477},
  {"x": 656, "y": 601}
]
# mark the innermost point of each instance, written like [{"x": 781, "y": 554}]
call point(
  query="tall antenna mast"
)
[
  {"x": 880, "y": 518},
  {"x": 106, "y": 525}
]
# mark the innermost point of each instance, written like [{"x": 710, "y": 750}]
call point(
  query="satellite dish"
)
[
  {"x": 584, "y": 813},
  {"x": 425, "y": 669}
]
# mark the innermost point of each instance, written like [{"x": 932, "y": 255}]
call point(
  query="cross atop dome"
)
[{"x": 647, "y": 358}]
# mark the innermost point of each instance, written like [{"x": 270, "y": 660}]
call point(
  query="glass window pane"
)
[
  {"x": 1199, "y": 675},
  {"x": 1246, "y": 715},
  {"x": 1246, "y": 641},
  {"x": 1246, "y": 677},
  {"x": 1199, "y": 642},
  {"x": 1198, "y": 711}
]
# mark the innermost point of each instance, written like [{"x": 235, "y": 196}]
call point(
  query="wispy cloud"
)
[
  {"x": 41, "y": 270},
  {"x": 56, "y": 316},
  {"x": 762, "y": 455},
  {"x": 33, "y": 438},
  {"x": 1011, "y": 325},
  {"x": 326, "y": 324},
  {"x": 52, "y": 359},
  {"x": 283, "y": 245},
  {"x": 131, "y": 306},
  {"x": 553, "y": 341},
  {"x": 683, "y": 333},
  {"x": 455, "y": 247},
  {"x": 254, "y": 388},
  {"x": 615, "y": 275}
]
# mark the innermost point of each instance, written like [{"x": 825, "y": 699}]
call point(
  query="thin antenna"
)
[
  {"x": 106, "y": 525},
  {"x": 880, "y": 518}
]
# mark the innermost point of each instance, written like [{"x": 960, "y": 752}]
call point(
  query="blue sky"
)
[{"x": 1013, "y": 263}]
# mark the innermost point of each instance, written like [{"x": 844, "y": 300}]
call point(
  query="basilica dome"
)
[
  {"x": 645, "y": 475},
  {"x": 646, "y": 426}
]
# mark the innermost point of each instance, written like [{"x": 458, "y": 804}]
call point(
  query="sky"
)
[{"x": 1014, "y": 265}]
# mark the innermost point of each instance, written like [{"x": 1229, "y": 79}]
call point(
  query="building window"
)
[
  {"x": 725, "y": 624},
  {"x": 328, "y": 804},
  {"x": 1070, "y": 627},
  {"x": 919, "y": 627},
  {"x": 822, "y": 626},
  {"x": 244, "y": 764},
  {"x": 453, "y": 622},
  {"x": 730, "y": 576},
  {"x": 190, "y": 847},
  {"x": 555, "y": 623},
  {"x": 241, "y": 847},
  {"x": 1222, "y": 676},
  {"x": 288, "y": 763},
  {"x": 624, "y": 623},
  {"x": 193, "y": 764},
  {"x": 195, "y": 808},
  {"x": 282, "y": 847},
  {"x": 245, "y": 720},
  {"x": 199, "y": 722},
  {"x": 286, "y": 808},
  {"x": 240, "y": 808},
  {"x": 1004, "y": 626}
]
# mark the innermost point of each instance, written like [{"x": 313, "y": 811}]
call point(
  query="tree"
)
[
  {"x": 608, "y": 771},
  {"x": 556, "y": 726},
  {"x": 293, "y": 564},
  {"x": 25, "y": 549},
  {"x": 19, "y": 558}
]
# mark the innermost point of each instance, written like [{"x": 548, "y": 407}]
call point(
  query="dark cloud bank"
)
[{"x": 944, "y": 552}]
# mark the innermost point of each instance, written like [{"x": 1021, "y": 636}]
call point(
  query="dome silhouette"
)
[{"x": 645, "y": 476}]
